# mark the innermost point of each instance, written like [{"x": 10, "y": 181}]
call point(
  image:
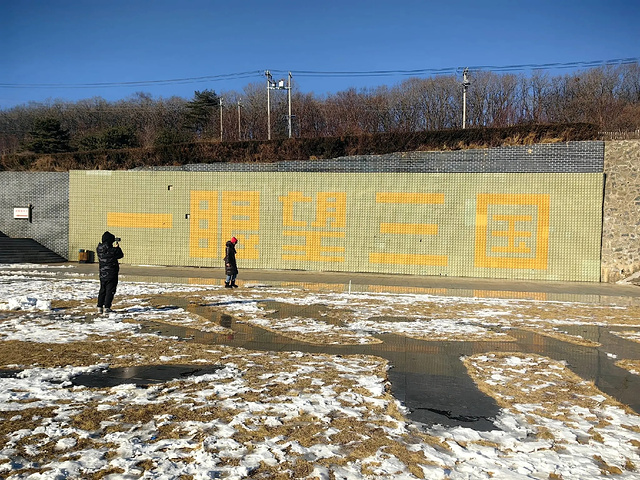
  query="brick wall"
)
[
  {"x": 48, "y": 192},
  {"x": 569, "y": 157}
]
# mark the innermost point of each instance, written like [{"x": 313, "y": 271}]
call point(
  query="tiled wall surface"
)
[
  {"x": 48, "y": 192},
  {"x": 528, "y": 226}
]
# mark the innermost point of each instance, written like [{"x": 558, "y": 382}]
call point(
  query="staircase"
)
[{"x": 26, "y": 250}]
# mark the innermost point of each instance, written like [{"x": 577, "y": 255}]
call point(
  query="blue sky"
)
[{"x": 72, "y": 44}]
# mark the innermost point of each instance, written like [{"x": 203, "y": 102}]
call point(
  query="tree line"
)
[{"x": 607, "y": 96}]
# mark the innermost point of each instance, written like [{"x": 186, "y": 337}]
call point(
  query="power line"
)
[
  {"x": 454, "y": 70},
  {"x": 142, "y": 83},
  {"x": 348, "y": 74}
]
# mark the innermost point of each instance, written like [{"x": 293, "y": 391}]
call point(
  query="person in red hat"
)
[{"x": 230, "y": 265}]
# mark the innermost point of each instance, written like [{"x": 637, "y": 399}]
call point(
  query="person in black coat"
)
[
  {"x": 230, "y": 265},
  {"x": 109, "y": 252}
]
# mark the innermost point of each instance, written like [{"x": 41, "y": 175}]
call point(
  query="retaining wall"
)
[{"x": 49, "y": 193}]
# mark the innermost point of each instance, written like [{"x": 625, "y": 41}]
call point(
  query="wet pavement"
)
[
  {"x": 428, "y": 377},
  {"x": 590, "y": 292}
]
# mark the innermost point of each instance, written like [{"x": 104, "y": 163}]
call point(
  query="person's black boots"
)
[
  {"x": 226, "y": 285},
  {"x": 233, "y": 284}
]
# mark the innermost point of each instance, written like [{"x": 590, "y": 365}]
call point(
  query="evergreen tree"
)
[
  {"x": 119, "y": 137},
  {"x": 113, "y": 138},
  {"x": 48, "y": 136},
  {"x": 201, "y": 111}
]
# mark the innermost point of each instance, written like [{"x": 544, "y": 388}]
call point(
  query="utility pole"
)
[
  {"x": 269, "y": 82},
  {"x": 289, "y": 88},
  {"x": 465, "y": 86},
  {"x": 239, "y": 129},
  {"x": 279, "y": 85},
  {"x": 221, "y": 119}
]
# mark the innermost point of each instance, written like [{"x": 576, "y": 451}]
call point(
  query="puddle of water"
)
[
  {"x": 443, "y": 400},
  {"x": 596, "y": 364},
  {"x": 141, "y": 376},
  {"x": 428, "y": 377}
]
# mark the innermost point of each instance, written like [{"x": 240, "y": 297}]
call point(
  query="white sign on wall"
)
[{"x": 22, "y": 212}]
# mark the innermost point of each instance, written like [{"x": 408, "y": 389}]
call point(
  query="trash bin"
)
[{"x": 83, "y": 256}]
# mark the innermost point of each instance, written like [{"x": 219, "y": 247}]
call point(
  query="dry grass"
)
[
  {"x": 538, "y": 388},
  {"x": 553, "y": 388},
  {"x": 569, "y": 387},
  {"x": 631, "y": 335},
  {"x": 632, "y": 366},
  {"x": 565, "y": 337}
]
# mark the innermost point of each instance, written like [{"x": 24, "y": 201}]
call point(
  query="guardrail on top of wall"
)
[{"x": 620, "y": 135}]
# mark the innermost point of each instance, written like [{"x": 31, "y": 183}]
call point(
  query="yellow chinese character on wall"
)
[
  {"x": 318, "y": 222},
  {"x": 215, "y": 217},
  {"x": 512, "y": 231},
  {"x": 409, "y": 229},
  {"x": 240, "y": 217},
  {"x": 203, "y": 224}
]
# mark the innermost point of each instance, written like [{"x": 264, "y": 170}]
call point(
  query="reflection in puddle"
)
[
  {"x": 141, "y": 376},
  {"x": 428, "y": 376},
  {"x": 592, "y": 293},
  {"x": 225, "y": 320}
]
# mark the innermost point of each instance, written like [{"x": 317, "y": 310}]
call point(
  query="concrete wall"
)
[
  {"x": 48, "y": 192},
  {"x": 621, "y": 212}
]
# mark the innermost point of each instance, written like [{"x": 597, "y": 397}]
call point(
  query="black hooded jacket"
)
[
  {"x": 108, "y": 256},
  {"x": 231, "y": 267}
]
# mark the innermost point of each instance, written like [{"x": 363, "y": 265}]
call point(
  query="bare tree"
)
[
  {"x": 608, "y": 96},
  {"x": 309, "y": 115}
]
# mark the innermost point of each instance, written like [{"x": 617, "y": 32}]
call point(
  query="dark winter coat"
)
[
  {"x": 230, "y": 265},
  {"x": 108, "y": 256}
]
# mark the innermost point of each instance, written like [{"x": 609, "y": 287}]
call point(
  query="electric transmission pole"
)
[
  {"x": 279, "y": 85},
  {"x": 269, "y": 82},
  {"x": 289, "y": 88},
  {"x": 221, "y": 119},
  {"x": 239, "y": 129},
  {"x": 465, "y": 86}
]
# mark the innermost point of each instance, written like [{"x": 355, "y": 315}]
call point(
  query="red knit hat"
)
[{"x": 234, "y": 240}]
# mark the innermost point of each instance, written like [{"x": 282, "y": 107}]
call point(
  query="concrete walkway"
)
[{"x": 397, "y": 283}]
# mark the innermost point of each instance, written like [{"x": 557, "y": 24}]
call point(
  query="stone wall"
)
[{"x": 621, "y": 211}]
